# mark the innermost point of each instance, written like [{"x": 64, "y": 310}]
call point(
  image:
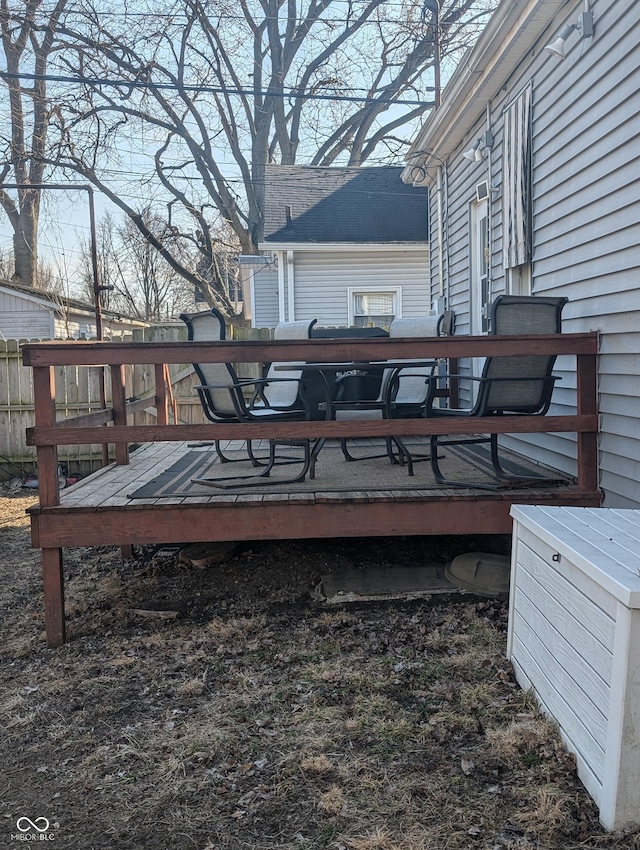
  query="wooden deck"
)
[{"x": 100, "y": 511}]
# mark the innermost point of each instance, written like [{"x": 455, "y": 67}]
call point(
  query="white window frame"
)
[
  {"x": 480, "y": 296},
  {"x": 395, "y": 291}
]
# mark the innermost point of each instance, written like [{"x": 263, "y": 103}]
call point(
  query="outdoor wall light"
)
[
  {"x": 255, "y": 261},
  {"x": 474, "y": 154},
  {"x": 584, "y": 24}
]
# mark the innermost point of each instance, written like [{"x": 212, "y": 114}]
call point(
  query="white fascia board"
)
[
  {"x": 512, "y": 32},
  {"x": 329, "y": 247}
]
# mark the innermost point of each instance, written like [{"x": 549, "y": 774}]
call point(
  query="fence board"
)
[{"x": 78, "y": 392}]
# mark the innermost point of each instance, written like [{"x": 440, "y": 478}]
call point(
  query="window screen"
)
[{"x": 374, "y": 309}]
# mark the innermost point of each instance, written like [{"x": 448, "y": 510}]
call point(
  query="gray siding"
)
[
  {"x": 265, "y": 294},
  {"x": 26, "y": 324},
  {"x": 22, "y": 318},
  {"x": 586, "y": 224},
  {"x": 587, "y": 220},
  {"x": 323, "y": 278}
]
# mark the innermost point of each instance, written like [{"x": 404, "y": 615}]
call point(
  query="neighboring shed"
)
[
  {"x": 27, "y": 313},
  {"x": 547, "y": 199},
  {"x": 351, "y": 247}
]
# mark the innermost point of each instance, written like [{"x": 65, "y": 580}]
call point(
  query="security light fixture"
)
[
  {"x": 474, "y": 154},
  {"x": 584, "y": 24}
]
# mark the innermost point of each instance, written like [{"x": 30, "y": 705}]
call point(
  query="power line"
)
[{"x": 140, "y": 84}]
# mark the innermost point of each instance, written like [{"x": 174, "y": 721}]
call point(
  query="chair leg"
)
[
  {"x": 433, "y": 455},
  {"x": 405, "y": 454},
  {"x": 314, "y": 456},
  {"x": 350, "y": 457},
  {"x": 507, "y": 477},
  {"x": 504, "y": 479},
  {"x": 228, "y": 483}
]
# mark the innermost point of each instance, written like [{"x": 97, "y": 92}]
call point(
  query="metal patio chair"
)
[
  {"x": 403, "y": 393},
  {"x": 216, "y": 382},
  {"x": 508, "y": 386},
  {"x": 279, "y": 395}
]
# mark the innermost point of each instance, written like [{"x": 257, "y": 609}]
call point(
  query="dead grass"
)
[{"x": 257, "y": 719}]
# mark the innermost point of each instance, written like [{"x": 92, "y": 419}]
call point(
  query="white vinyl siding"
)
[
  {"x": 323, "y": 279},
  {"x": 26, "y": 324},
  {"x": 586, "y": 145},
  {"x": 265, "y": 295},
  {"x": 586, "y": 225}
]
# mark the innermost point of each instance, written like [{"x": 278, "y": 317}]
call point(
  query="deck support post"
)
[
  {"x": 44, "y": 395},
  {"x": 587, "y": 404},
  {"x": 53, "y": 596}
]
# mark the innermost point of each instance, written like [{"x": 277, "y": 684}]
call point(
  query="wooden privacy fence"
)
[{"x": 78, "y": 392}]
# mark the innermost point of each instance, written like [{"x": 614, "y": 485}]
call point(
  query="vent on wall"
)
[{"x": 482, "y": 191}]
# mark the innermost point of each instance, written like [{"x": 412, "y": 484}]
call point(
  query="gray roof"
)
[{"x": 359, "y": 205}]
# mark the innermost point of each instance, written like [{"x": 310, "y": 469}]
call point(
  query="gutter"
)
[{"x": 512, "y": 32}]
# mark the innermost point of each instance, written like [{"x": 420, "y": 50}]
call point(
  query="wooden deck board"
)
[{"x": 98, "y": 510}]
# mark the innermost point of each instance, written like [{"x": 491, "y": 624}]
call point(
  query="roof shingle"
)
[{"x": 357, "y": 205}]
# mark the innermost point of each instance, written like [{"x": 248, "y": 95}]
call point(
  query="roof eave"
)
[
  {"x": 512, "y": 32},
  {"x": 340, "y": 246}
]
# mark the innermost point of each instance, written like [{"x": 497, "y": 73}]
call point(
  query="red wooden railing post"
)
[
  {"x": 119, "y": 402},
  {"x": 162, "y": 402},
  {"x": 44, "y": 393},
  {"x": 587, "y": 404}
]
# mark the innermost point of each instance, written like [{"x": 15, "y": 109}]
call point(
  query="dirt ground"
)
[{"x": 248, "y": 714}]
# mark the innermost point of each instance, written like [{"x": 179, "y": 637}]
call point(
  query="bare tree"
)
[
  {"x": 204, "y": 93},
  {"x": 136, "y": 279},
  {"x": 27, "y": 37}
]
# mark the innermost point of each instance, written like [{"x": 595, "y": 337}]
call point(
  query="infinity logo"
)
[{"x": 32, "y": 824}]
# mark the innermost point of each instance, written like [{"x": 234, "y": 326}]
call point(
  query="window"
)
[{"x": 374, "y": 308}]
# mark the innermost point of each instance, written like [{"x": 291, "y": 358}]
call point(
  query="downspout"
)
[
  {"x": 489, "y": 208},
  {"x": 439, "y": 215},
  {"x": 291, "y": 287},
  {"x": 281, "y": 301}
]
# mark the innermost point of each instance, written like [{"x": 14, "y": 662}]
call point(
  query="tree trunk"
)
[{"x": 25, "y": 247}]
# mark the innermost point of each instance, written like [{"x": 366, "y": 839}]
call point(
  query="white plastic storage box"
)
[{"x": 574, "y": 638}]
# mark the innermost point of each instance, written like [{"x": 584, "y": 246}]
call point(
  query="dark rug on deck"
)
[{"x": 469, "y": 463}]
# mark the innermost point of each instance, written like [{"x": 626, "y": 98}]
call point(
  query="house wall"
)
[
  {"x": 21, "y": 318},
  {"x": 322, "y": 280},
  {"x": 74, "y": 327},
  {"x": 264, "y": 293},
  {"x": 586, "y": 223}
]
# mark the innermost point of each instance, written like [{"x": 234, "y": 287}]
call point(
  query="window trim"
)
[{"x": 352, "y": 291}]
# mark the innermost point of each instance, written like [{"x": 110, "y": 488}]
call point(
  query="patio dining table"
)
[
  {"x": 329, "y": 371},
  {"x": 369, "y": 371}
]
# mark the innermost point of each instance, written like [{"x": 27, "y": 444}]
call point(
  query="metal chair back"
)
[
  {"x": 531, "y": 387},
  {"x": 284, "y": 390},
  {"x": 411, "y": 383},
  {"x": 217, "y": 379}
]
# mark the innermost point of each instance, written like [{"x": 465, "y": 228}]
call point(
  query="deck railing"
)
[{"x": 111, "y": 425}]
